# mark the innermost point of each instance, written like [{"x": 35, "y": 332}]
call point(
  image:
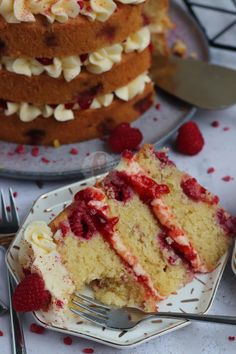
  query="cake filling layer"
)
[
  {"x": 98, "y": 210},
  {"x": 64, "y": 112},
  {"x": 15, "y": 11},
  {"x": 151, "y": 193},
  {"x": 38, "y": 254},
  {"x": 70, "y": 67}
]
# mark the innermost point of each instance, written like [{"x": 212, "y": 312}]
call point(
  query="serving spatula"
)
[{"x": 199, "y": 83}]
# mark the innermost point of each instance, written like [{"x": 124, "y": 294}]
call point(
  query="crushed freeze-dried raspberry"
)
[
  {"x": 67, "y": 340},
  {"x": 227, "y": 178},
  {"x": 45, "y": 160},
  {"x": 210, "y": 170},
  {"x": 20, "y": 149},
  {"x": 59, "y": 304},
  {"x": 215, "y": 124},
  {"x": 15, "y": 194},
  {"x": 35, "y": 151},
  {"x": 36, "y": 328},
  {"x": 1, "y": 333},
  {"x": 45, "y": 61},
  {"x": 226, "y": 129},
  {"x": 88, "y": 350},
  {"x": 74, "y": 151},
  {"x": 231, "y": 338},
  {"x": 158, "y": 106}
]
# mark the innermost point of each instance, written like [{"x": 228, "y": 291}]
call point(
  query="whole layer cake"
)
[
  {"x": 134, "y": 238},
  {"x": 77, "y": 65}
]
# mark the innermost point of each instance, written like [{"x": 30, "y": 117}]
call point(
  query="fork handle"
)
[
  {"x": 18, "y": 341},
  {"x": 230, "y": 320}
]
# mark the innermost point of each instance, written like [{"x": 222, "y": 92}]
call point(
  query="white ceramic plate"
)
[{"x": 196, "y": 297}]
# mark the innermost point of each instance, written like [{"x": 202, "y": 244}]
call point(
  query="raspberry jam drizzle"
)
[
  {"x": 196, "y": 192},
  {"x": 227, "y": 222},
  {"x": 150, "y": 193},
  {"x": 165, "y": 244},
  {"x": 116, "y": 188},
  {"x": 98, "y": 210}
]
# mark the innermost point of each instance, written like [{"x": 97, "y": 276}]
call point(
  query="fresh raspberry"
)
[
  {"x": 189, "y": 140},
  {"x": 67, "y": 340},
  {"x": 31, "y": 295},
  {"x": 36, "y": 328},
  {"x": 124, "y": 137},
  {"x": 81, "y": 223},
  {"x": 117, "y": 188}
]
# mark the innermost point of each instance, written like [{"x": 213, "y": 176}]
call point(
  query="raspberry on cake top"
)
[{"x": 134, "y": 238}]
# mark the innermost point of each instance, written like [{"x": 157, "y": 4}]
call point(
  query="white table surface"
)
[{"x": 219, "y": 152}]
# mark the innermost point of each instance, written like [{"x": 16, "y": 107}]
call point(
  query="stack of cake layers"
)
[{"x": 73, "y": 70}]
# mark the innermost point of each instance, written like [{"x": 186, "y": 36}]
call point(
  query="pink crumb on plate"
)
[
  {"x": 211, "y": 170},
  {"x": 227, "y": 178},
  {"x": 34, "y": 328}
]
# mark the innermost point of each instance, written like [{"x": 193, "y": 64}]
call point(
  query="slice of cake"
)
[{"x": 134, "y": 238}]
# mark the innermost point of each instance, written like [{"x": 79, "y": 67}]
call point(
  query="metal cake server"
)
[{"x": 199, "y": 83}]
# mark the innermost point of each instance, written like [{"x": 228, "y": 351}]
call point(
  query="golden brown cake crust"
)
[
  {"x": 88, "y": 124},
  {"x": 75, "y": 37},
  {"x": 44, "y": 89}
]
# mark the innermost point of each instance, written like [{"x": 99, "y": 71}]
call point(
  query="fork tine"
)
[
  {"x": 14, "y": 213},
  {"x": 91, "y": 301},
  {"x": 95, "y": 310},
  {"x": 89, "y": 317},
  {"x": 4, "y": 210}
]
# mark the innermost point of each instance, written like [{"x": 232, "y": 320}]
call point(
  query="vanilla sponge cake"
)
[
  {"x": 137, "y": 236},
  {"x": 195, "y": 210},
  {"x": 73, "y": 70}
]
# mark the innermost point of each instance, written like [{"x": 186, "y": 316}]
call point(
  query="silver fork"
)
[
  {"x": 9, "y": 225},
  {"x": 128, "y": 317}
]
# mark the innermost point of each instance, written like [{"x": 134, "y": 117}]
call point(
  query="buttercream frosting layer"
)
[
  {"x": 70, "y": 67},
  {"x": 65, "y": 112},
  {"x": 38, "y": 254},
  {"x": 15, "y": 11}
]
